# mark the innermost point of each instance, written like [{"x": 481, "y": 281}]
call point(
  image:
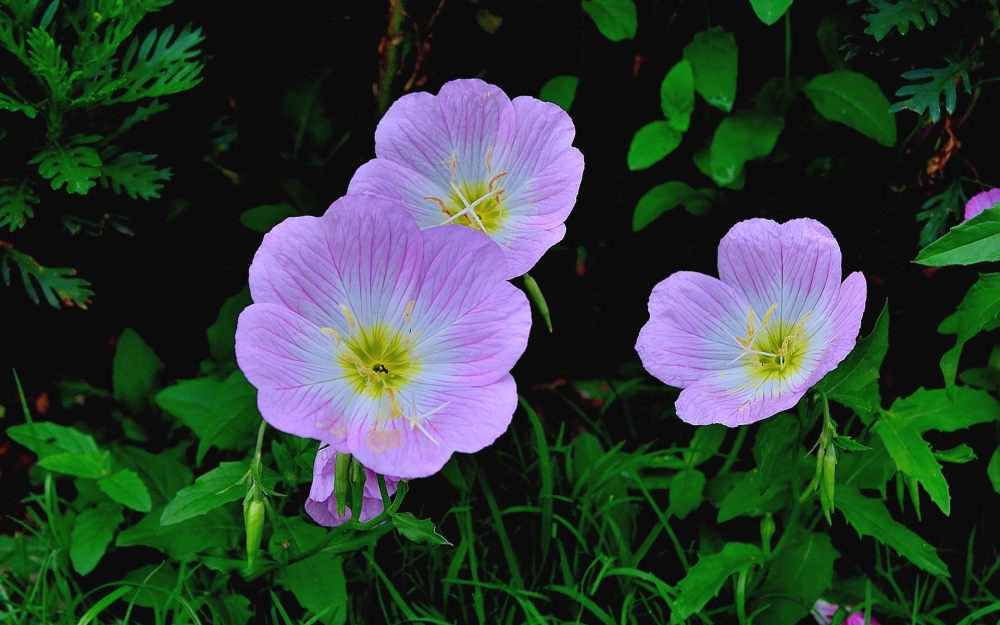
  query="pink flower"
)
[
  {"x": 385, "y": 342},
  {"x": 823, "y": 613},
  {"x": 322, "y": 505},
  {"x": 980, "y": 202},
  {"x": 472, "y": 156},
  {"x": 749, "y": 345}
]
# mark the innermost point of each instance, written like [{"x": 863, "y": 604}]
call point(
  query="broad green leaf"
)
[
  {"x": 294, "y": 536},
  {"x": 127, "y": 488},
  {"x": 754, "y": 497},
  {"x": 900, "y": 14},
  {"x": 856, "y": 101},
  {"x": 93, "y": 531},
  {"x": 154, "y": 585},
  {"x": 59, "y": 285},
  {"x": 303, "y": 108},
  {"x": 417, "y": 530},
  {"x": 959, "y": 455},
  {"x": 940, "y": 410},
  {"x": 979, "y": 307},
  {"x": 209, "y": 491},
  {"x": 130, "y": 171},
  {"x": 161, "y": 66},
  {"x": 677, "y": 95},
  {"x": 869, "y": 517},
  {"x": 77, "y": 465},
  {"x": 973, "y": 241},
  {"x": 263, "y": 218},
  {"x": 135, "y": 369},
  {"x": 16, "y": 205},
  {"x": 669, "y": 195},
  {"x": 703, "y": 161},
  {"x": 774, "y": 446},
  {"x": 190, "y": 401},
  {"x": 233, "y": 418},
  {"x": 319, "y": 585},
  {"x": 926, "y": 96},
  {"x": 993, "y": 470},
  {"x": 651, "y": 143},
  {"x": 237, "y": 609},
  {"x": 706, "y": 577},
  {"x": 854, "y": 383},
  {"x": 222, "y": 333},
  {"x": 704, "y": 444},
  {"x": 769, "y": 12},
  {"x": 560, "y": 90},
  {"x": 46, "y": 439},
  {"x": 741, "y": 137},
  {"x": 830, "y": 33},
  {"x": 163, "y": 475},
  {"x": 871, "y": 469},
  {"x": 796, "y": 578},
  {"x": 712, "y": 55},
  {"x": 219, "y": 528},
  {"x": 616, "y": 19},
  {"x": 913, "y": 457},
  {"x": 686, "y": 492},
  {"x": 72, "y": 163}
]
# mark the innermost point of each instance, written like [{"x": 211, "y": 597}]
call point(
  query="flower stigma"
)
[
  {"x": 474, "y": 204},
  {"x": 773, "y": 348}
]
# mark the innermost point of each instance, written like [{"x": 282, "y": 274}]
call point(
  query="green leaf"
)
[
  {"x": 417, "y": 530},
  {"x": 263, "y": 218},
  {"x": 208, "y": 492},
  {"x": 871, "y": 469},
  {"x": 712, "y": 55},
  {"x": 869, "y": 517},
  {"x": 769, "y": 12},
  {"x": 319, "y": 585},
  {"x": 651, "y": 143},
  {"x": 704, "y": 444},
  {"x": 8, "y": 103},
  {"x": 796, "y": 578},
  {"x": 854, "y": 383},
  {"x": 72, "y": 163},
  {"x": 830, "y": 33},
  {"x": 127, "y": 488},
  {"x": 979, "y": 308},
  {"x": 849, "y": 444},
  {"x": 58, "y": 284},
  {"x": 703, "y": 161},
  {"x": 163, "y": 475},
  {"x": 222, "y": 333},
  {"x": 130, "y": 172},
  {"x": 901, "y": 13},
  {"x": 774, "y": 446},
  {"x": 686, "y": 492},
  {"x": 233, "y": 418},
  {"x": 92, "y": 532},
  {"x": 926, "y": 96},
  {"x": 677, "y": 95},
  {"x": 913, "y": 457},
  {"x": 75, "y": 464},
  {"x": 959, "y": 455},
  {"x": 560, "y": 90},
  {"x": 938, "y": 209},
  {"x": 616, "y": 19},
  {"x": 856, "y": 101},
  {"x": 974, "y": 241},
  {"x": 219, "y": 528},
  {"x": 190, "y": 401},
  {"x": 945, "y": 411},
  {"x": 161, "y": 67},
  {"x": 753, "y": 497},
  {"x": 135, "y": 368},
  {"x": 47, "y": 62},
  {"x": 46, "y": 439},
  {"x": 993, "y": 470},
  {"x": 666, "y": 196},
  {"x": 741, "y": 137},
  {"x": 704, "y": 580},
  {"x": 15, "y": 205}
]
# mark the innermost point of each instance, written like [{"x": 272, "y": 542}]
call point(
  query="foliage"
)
[
  {"x": 926, "y": 96},
  {"x": 902, "y": 13}
]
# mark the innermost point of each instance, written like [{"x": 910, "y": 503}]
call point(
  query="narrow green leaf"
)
[
  {"x": 131, "y": 172},
  {"x": 913, "y": 457},
  {"x": 677, "y": 95},
  {"x": 742, "y": 136},
  {"x": 616, "y": 19},
  {"x": 77, "y": 465},
  {"x": 93, "y": 531},
  {"x": 854, "y": 383},
  {"x": 959, "y": 455},
  {"x": 7, "y": 103},
  {"x": 159, "y": 66},
  {"x": 59, "y": 285},
  {"x": 900, "y": 14},
  {"x": 979, "y": 307},
  {"x": 973, "y": 241},
  {"x": 16, "y": 205},
  {"x": 560, "y": 90},
  {"x": 993, "y": 470},
  {"x": 704, "y": 580},
  {"x": 651, "y": 143},
  {"x": 712, "y": 55},
  {"x": 686, "y": 492},
  {"x": 208, "y": 492},
  {"x": 46, "y": 439},
  {"x": 128, "y": 489},
  {"x": 135, "y": 368},
  {"x": 770, "y": 11},
  {"x": 856, "y": 101},
  {"x": 417, "y": 530},
  {"x": 869, "y": 517},
  {"x": 263, "y": 218},
  {"x": 926, "y": 96},
  {"x": 669, "y": 195}
]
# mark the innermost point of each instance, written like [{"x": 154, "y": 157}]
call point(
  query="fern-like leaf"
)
[
  {"x": 159, "y": 66},
  {"x": 72, "y": 163},
  {"x": 8, "y": 103},
  {"x": 926, "y": 96},
  {"x": 15, "y": 205},
  {"x": 902, "y": 13},
  {"x": 937, "y": 210},
  {"x": 58, "y": 285},
  {"x": 46, "y": 62},
  {"x": 130, "y": 172}
]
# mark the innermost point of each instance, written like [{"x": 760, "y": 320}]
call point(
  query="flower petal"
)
[
  {"x": 736, "y": 398},
  {"x": 980, "y": 202},
  {"x": 404, "y": 186}
]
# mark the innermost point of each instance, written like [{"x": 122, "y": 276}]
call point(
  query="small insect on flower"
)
[
  {"x": 383, "y": 341},
  {"x": 471, "y": 156},
  {"x": 748, "y": 345}
]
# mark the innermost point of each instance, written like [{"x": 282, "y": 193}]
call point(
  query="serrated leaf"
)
[
  {"x": 856, "y": 101},
  {"x": 73, "y": 164},
  {"x": 974, "y": 241},
  {"x": 902, "y": 13},
  {"x": 93, "y": 531},
  {"x": 945, "y": 411},
  {"x": 686, "y": 492},
  {"x": 47, "y": 62},
  {"x": 913, "y": 457},
  {"x": 417, "y": 530},
  {"x": 770, "y": 11},
  {"x": 263, "y": 218},
  {"x": 651, "y": 144},
  {"x": 854, "y": 383},
  {"x": 135, "y": 368},
  {"x": 59, "y": 286},
  {"x": 666, "y": 196},
  {"x": 926, "y": 96},
  {"x": 616, "y": 19},
  {"x": 129, "y": 171},
  {"x": 128, "y": 489},
  {"x": 209, "y": 491},
  {"x": 560, "y": 90},
  {"x": 753, "y": 496},
  {"x": 849, "y": 444},
  {"x": 677, "y": 95},
  {"x": 979, "y": 308},
  {"x": 8, "y": 103},
  {"x": 869, "y": 517},
  {"x": 16, "y": 205},
  {"x": 159, "y": 66},
  {"x": 741, "y": 137},
  {"x": 712, "y": 55},
  {"x": 938, "y": 209},
  {"x": 704, "y": 580}
]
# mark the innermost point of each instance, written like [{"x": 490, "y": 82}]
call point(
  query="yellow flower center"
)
[
  {"x": 477, "y": 204},
  {"x": 773, "y": 348}
]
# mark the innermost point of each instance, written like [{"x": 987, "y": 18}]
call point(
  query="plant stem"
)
[
  {"x": 741, "y": 435},
  {"x": 391, "y": 49},
  {"x": 788, "y": 44}
]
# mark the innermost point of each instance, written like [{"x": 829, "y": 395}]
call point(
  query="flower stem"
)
[
  {"x": 741, "y": 435},
  {"x": 788, "y": 44}
]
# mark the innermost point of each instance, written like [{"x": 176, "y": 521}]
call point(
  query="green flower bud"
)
[
  {"x": 828, "y": 482},
  {"x": 342, "y": 482},
  {"x": 253, "y": 517},
  {"x": 767, "y": 530}
]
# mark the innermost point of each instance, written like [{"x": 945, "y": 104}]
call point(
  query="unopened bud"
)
[
  {"x": 826, "y": 490},
  {"x": 342, "y": 482},
  {"x": 767, "y": 530},
  {"x": 253, "y": 517}
]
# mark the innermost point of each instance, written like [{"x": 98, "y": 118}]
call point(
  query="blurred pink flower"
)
[
  {"x": 385, "y": 342},
  {"x": 471, "y": 156},
  {"x": 823, "y": 612},
  {"x": 980, "y": 202},
  {"x": 749, "y": 345},
  {"x": 322, "y": 505}
]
